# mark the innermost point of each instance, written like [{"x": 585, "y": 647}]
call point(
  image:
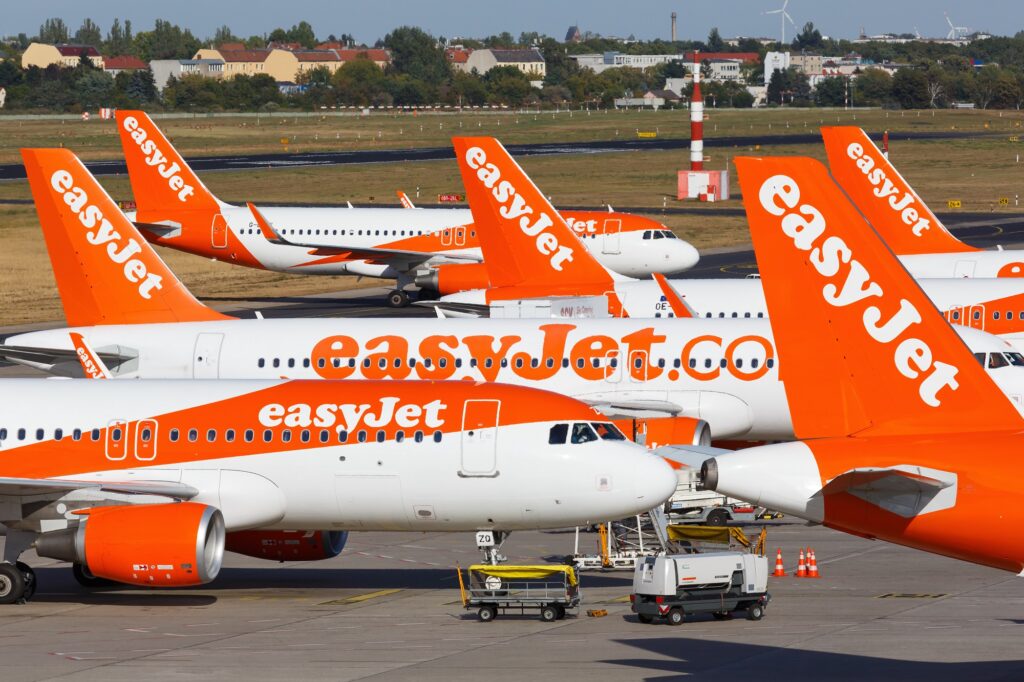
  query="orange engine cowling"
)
[
  {"x": 167, "y": 545},
  {"x": 456, "y": 277},
  {"x": 288, "y": 545},
  {"x": 655, "y": 432}
]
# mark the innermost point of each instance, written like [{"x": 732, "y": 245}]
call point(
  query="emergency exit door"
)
[{"x": 480, "y": 438}]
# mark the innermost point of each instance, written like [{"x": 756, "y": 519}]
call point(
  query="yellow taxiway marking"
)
[{"x": 361, "y": 597}]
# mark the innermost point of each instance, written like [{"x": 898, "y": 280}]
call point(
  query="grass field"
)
[{"x": 976, "y": 171}]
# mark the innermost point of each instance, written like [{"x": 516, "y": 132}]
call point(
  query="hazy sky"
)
[{"x": 369, "y": 20}]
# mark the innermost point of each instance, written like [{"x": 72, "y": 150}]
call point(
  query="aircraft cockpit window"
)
[
  {"x": 647, "y": 234},
  {"x": 557, "y": 434},
  {"x": 582, "y": 433},
  {"x": 1015, "y": 359},
  {"x": 981, "y": 358},
  {"x": 996, "y": 361},
  {"x": 607, "y": 431},
  {"x": 658, "y": 234}
]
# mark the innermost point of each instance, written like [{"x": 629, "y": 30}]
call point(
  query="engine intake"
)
[{"x": 171, "y": 545}]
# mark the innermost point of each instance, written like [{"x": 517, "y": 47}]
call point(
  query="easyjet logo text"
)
[
  {"x": 514, "y": 207},
  {"x": 581, "y": 226},
  {"x": 155, "y": 157},
  {"x": 900, "y": 201},
  {"x": 849, "y": 283},
  {"x": 639, "y": 356},
  {"x": 388, "y": 411},
  {"x": 101, "y": 234}
]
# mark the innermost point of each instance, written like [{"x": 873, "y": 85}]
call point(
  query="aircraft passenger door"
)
[
  {"x": 964, "y": 268},
  {"x": 460, "y": 236},
  {"x": 612, "y": 236},
  {"x": 145, "y": 440},
  {"x": 206, "y": 356},
  {"x": 613, "y": 367},
  {"x": 480, "y": 438},
  {"x": 219, "y": 232},
  {"x": 116, "y": 445}
]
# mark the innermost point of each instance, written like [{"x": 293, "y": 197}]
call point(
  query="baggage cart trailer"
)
[{"x": 551, "y": 589}]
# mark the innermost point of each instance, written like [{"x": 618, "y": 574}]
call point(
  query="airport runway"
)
[
  {"x": 388, "y": 608},
  {"x": 15, "y": 171}
]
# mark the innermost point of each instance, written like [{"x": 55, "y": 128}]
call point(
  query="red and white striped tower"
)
[{"x": 696, "y": 119}]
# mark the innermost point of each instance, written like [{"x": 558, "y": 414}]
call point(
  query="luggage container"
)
[{"x": 551, "y": 589}]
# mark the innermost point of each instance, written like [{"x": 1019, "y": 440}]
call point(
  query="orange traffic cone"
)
[
  {"x": 780, "y": 570},
  {"x": 812, "y": 565},
  {"x": 801, "y": 567}
]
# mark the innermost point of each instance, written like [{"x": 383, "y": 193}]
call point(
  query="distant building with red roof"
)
[{"x": 64, "y": 55}]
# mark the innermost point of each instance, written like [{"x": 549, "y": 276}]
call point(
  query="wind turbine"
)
[{"x": 783, "y": 17}]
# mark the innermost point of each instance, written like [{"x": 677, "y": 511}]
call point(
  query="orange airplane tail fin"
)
[
  {"x": 163, "y": 184},
  {"x": 106, "y": 272},
  {"x": 888, "y": 201},
  {"x": 861, "y": 348},
  {"x": 524, "y": 240}
]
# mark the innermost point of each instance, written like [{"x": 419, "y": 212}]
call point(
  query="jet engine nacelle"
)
[
  {"x": 655, "y": 432},
  {"x": 456, "y": 277},
  {"x": 167, "y": 545},
  {"x": 288, "y": 545}
]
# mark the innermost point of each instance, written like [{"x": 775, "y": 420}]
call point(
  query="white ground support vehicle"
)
[
  {"x": 672, "y": 586},
  {"x": 692, "y": 504}
]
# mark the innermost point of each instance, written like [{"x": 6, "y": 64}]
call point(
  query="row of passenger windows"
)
[
  {"x": 383, "y": 363},
  {"x": 996, "y": 314},
  {"x": 583, "y": 432},
  {"x": 722, "y": 314},
  {"x": 145, "y": 435},
  {"x": 309, "y": 232}
]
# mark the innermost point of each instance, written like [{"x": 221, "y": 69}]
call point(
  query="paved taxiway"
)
[{"x": 387, "y": 608}]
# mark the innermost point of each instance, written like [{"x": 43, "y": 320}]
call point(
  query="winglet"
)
[
  {"x": 679, "y": 307},
  {"x": 91, "y": 363},
  {"x": 268, "y": 232},
  {"x": 888, "y": 201},
  {"x": 406, "y": 201},
  {"x": 524, "y": 239},
  {"x": 106, "y": 272},
  {"x": 861, "y": 348}
]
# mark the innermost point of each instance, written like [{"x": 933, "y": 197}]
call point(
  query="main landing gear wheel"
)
[
  {"x": 29, "y": 576},
  {"x": 87, "y": 579},
  {"x": 398, "y": 299},
  {"x": 12, "y": 584}
]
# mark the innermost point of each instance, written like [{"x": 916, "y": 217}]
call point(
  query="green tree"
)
[
  {"x": 94, "y": 88},
  {"x": 809, "y": 38},
  {"x": 10, "y": 74},
  {"x": 831, "y": 92},
  {"x": 465, "y": 89},
  {"x": 224, "y": 35},
  {"x": 416, "y": 54},
  {"x": 89, "y": 33},
  {"x": 938, "y": 85},
  {"x": 361, "y": 82},
  {"x": 53, "y": 31},
  {"x": 302, "y": 33},
  {"x": 910, "y": 89},
  {"x": 139, "y": 86},
  {"x": 872, "y": 88},
  {"x": 119, "y": 40},
  {"x": 715, "y": 42},
  {"x": 507, "y": 85},
  {"x": 166, "y": 41}
]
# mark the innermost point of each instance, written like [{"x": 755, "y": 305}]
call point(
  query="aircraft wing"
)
[
  {"x": 692, "y": 456},
  {"x": 904, "y": 490},
  {"x": 453, "y": 309},
  {"x": 44, "y": 486},
  {"x": 377, "y": 254}
]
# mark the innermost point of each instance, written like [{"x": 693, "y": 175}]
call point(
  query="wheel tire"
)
[
  {"x": 398, "y": 299},
  {"x": 644, "y": 618},
  {"x": 549, "y": 613},
  {"x": 87, "y": 579},
  {"x": 718, "y": 517},
  {"x": 12, "y": 584},
  {"x": 675, "y": 616},
  {"x": 487, "y": 613},
  {"x": 561, "y": 611},
  {"x": 755, "y": 612},
  {"x": 29, "y": 575}
]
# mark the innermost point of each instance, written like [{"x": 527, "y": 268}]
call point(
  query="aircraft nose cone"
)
[
  {"x": 655, "y": 481},
  {"x": 686, "y": 255}
]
